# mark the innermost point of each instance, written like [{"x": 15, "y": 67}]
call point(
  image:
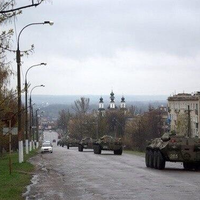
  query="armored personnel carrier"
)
[
  {"x": 69, "y": 142},
  {"x": 72, "y": 142},
  {"x": 173, "y": 148},
  {"x": 62, "y": 142},
  {"x": 86, "y": 143},
  {"x": 108, "y": 143}
]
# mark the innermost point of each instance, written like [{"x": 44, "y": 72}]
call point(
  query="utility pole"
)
[
  {"x": 189, "y": 122},
  {"x": 37, "y": 129},
  {"x": 30, "y": 125},
  {"x": 20, "y": 141},
  {"x": 33, "y": 129},
  {"x": 10, "y": 148}
]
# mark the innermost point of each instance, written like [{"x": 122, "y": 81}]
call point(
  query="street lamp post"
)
[
  {"x": 26, "y": 104},
  {"x": 18, "y": 60},
  {"x": 37, "y": 131},
  {"x": 30, "y": 112}
]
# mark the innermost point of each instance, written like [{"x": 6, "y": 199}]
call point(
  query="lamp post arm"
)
[
  {"x": 31, "y": 68},
  {"x": 22, "y": 31},
  {"x": 33, "y": 89},
  {"x": 28, "y": 71}
]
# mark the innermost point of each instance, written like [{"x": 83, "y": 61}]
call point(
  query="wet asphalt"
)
[{"x": 68, "y": 174}]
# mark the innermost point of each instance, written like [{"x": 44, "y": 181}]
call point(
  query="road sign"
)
[
  {"x": 13, "y": 130},
  {"x": 10, "y": 116}
]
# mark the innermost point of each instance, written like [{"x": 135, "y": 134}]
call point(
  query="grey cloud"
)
[
  {"x": 85, "y": 28},
  {"x": 96, "y": 43}
]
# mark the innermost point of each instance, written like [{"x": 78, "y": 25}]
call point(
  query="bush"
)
[{"x": 4, "y": 143}]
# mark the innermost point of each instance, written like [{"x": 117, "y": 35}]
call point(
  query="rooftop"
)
[{"x": 185, "y": 97}]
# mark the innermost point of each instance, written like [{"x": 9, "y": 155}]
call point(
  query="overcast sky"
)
[{"x": 137, "y": 47}]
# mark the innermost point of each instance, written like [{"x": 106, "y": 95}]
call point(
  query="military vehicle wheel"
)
[
  {"x": 80, "y": 148},
  {"x": 97, "y": 149},
  {"x": 197, "y": 166},
  {"x": 147, "y": 158},
  {"x": 160, "y": 161},
  {"x": 155, "y": 158},
  {"x": 188, "y": 166},
  {"x": 151, "y": 158},
  {"x": 118, "y": 152}
]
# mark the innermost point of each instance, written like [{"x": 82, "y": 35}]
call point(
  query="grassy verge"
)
[
  {"x": 137, "y": 153},
  {"x": 12, "y": 186}
]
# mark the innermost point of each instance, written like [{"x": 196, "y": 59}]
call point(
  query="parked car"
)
[
  {"x": 47, "y": 142},
  {"x": 47, "y": 147}
]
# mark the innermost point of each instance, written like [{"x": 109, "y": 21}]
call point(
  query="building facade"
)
[{"x": 183, "y": 110}]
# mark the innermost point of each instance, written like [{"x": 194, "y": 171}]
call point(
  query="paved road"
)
[
  {"x": 72, "y": 175},
  {"x": 50, "y": 135}
]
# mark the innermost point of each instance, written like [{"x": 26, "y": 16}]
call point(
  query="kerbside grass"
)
[
  {"x": 137, "y": 153},
  {"x": 12, "y": 186}
]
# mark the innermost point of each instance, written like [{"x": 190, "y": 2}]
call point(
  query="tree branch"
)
[{"x": 19, "y": 8}]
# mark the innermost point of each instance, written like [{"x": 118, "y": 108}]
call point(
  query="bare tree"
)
[
  {"x": 63, "y": 120},
  {"x": 143, "y": 128},
  {"x": 8, "y": 6},
  {"x": 81, "y": 106}
]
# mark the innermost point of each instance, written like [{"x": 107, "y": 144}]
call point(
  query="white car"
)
[
  {"x": 46, "y": 147},
  {"x": 49, "y": 142}
]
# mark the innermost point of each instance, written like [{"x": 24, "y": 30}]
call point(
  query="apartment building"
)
[{"x": 178, "y": 108}]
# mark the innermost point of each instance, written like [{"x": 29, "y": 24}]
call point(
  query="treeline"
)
[
  {"x": 52, "y": 110},
  {"x": 132, "y": 125},
  {"x": 143, "y": 128},
  {"x": 8, "y": 97},
  {"x": 8, "y": 101}
]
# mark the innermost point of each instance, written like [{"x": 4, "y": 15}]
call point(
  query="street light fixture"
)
[
  {"x": 26, "y": 103},
  {"x": 30, "y": 120},
  {"x": 51, "y": 23},
  {"x": 18, "y": 60}
]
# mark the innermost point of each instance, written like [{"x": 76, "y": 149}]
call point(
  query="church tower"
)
[
  {"x": 101, "y": 106},
  {"x": 123, "y": 105},
  {"x": 112, "y": 101}
]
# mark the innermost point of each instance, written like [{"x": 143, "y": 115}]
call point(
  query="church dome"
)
[{"x": 122, "y": 99}]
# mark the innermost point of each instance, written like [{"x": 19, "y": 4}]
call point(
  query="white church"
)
[{"x": 112, "y": 105}]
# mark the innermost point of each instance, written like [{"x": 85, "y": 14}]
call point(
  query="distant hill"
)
[
  {"x": 51, "y": 105},
  {"x": 94, "y": 99}
]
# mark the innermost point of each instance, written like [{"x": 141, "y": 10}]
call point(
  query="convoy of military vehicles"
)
[
  {"x": 104, "y": 143},
  {"x": 168, "y": 148}
]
